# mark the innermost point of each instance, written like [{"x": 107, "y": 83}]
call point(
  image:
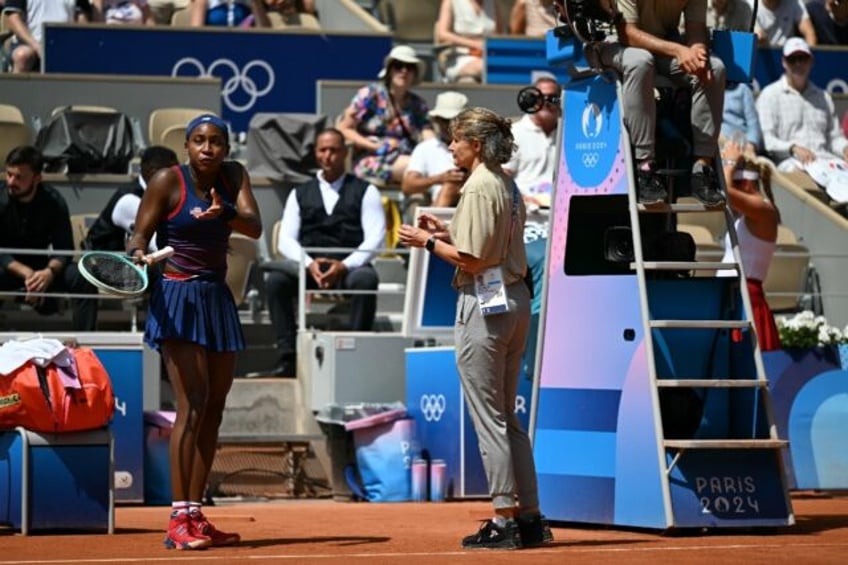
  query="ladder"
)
[{"x": 762, "y": 440}]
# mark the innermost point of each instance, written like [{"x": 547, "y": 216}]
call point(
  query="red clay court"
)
[{"x": 324, "y": 531}]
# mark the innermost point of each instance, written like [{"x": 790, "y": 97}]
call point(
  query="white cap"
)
[
  {"x": 448, "y": 105},
  {"x": 795, "y": 45},
  {"x": 404, "y": 54}
]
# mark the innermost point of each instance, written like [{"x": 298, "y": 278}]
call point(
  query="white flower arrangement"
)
[{"x": 806, "y": 330}]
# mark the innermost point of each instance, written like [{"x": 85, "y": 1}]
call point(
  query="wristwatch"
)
[{"x": 431, "y": 243}]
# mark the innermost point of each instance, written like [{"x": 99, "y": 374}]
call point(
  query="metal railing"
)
[{"x": 303, "y": 292}]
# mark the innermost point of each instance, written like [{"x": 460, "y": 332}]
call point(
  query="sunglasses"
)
[
  {"x": 793, "y": 59},
  {"x": 400, "y": 65}
]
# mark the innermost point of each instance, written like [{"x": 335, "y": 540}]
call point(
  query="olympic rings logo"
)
[
  {"x": 590, "y": 160},
  {"x": 233, "y": 79},
  {"x": 433, "y": 406}
]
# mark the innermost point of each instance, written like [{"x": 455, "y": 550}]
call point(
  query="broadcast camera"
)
[{"x": 589, "y": 21}]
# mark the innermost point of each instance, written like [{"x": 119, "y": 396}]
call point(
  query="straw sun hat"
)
[{"x": 404, "y": 54}]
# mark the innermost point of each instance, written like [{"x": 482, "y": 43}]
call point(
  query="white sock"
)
[{"x": 179, "y": 507}]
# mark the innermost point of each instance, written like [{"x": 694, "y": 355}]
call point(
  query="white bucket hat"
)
[
  {"x": 448, "y": 105},
  {"x": 404, "y": 54}
]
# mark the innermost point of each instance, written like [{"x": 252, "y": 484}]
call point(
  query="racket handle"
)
[{"x": 158, "y": 255}]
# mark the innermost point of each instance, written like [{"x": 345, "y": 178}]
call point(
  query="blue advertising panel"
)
[
  {"x": 435, "y": 400},
  {"x": 259, "y": 71},
  {"x": 828, "y": 70},
  {"x": 125, "y": 371},
  {"x": 810, "y": 399}
]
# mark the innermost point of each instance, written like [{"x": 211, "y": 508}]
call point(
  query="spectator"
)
[
  {"x": 756, "y": 231},
  {"x": 798, "y": 118},
  {"x": 532, "y": 17},
  {"x": 123, "y": 12},
  {"x": 830, "y": 20},
  {"x": 163, "y": 10},
  {"x": 649, "y": 44},
  {"x": 385, "y": 120},
  {"x": 740, "y": 118},
  {"x": 222, "y": 12},
  {"x": 293, "y": 12},
  {"x": 462, "y": 25},
  {"x": 431, "y": 167},
  {"x": 26, "y": 19},
  {"x": 335, "y": 209},
  {"x": 33, "y": 215},
  {"x": 117, "y": 220},
  {"x": 845, "y": 124},
  {"x": 730, "y": 14},
  {"x": 778, "y": 20},
  {"x": 535, "y": 159}
]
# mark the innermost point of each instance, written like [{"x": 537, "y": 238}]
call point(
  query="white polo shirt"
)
[
  {"x": 534, "y": 162},
  {"x": 431, "y": 157}
]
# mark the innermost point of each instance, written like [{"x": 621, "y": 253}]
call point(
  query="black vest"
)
[
  {"x": 104, "y": 235},
  {"x": 342, "y": 228}
]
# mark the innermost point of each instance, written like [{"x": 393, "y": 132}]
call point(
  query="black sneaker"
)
[
  {"x": 705, "y": 187},
  {"x": 535, "y": 530},
  {"x": 649, "y": 187},
  {"x": 492, "y": 536}
]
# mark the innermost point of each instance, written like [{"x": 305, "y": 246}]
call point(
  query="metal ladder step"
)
[
  {"x": 664, "y": 208},
  {"x": 685, "y": 265},
  {"x": 712, "y": 383},
  {"x": 725, "y": 443},
  {"x": 701, "y": 324}
]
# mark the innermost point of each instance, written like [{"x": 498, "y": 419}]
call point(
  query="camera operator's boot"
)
[
  {"x": 705, "y": 186},
  {"x": 649, "y": 185}
]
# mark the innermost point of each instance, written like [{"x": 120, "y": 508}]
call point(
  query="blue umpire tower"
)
[{"x": 652, "y": 407}]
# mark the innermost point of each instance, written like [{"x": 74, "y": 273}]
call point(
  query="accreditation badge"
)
[{"x": 491, "y": 291}]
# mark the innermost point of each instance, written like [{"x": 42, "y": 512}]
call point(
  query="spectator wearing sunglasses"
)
[
  {"x": 386, "y": 120},
  {"x": 798, "y": 118},
  {"x": 534, "y": 161}
]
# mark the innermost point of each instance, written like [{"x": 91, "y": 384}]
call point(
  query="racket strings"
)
[{"x": 115, "y": 273}]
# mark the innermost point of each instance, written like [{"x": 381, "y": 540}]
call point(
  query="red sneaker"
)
[
  {"x": 182, "y": 534},
  {"x": 205, "y": 528}
]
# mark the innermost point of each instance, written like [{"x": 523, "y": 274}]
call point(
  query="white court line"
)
[{"x": 563, "y": 549}]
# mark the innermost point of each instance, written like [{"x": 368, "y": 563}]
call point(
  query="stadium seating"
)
[
  {"x": 167, "y": 127},
  {"x": 707, "y": 248},
  {"x": 714, "y": 223},
  {"x": 786, "y": 281},
  {"x": 241, "y": 257},
  {"x": 181, "y": 18},
  {"x": 13, "y": 131}
]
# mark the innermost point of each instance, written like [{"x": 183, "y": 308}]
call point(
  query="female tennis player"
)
[{"x": 192, "y": 319}]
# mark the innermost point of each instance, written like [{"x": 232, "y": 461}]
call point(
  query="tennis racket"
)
[{"x": 117, "y": 273}]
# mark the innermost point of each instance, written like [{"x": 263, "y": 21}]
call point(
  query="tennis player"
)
[{"x": 192, "y": 319}]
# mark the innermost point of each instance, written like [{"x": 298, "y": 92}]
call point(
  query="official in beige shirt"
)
[{"x": 487, "y": 231}]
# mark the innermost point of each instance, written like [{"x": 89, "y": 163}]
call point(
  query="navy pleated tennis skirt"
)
[{"x": 198, "y": 310}]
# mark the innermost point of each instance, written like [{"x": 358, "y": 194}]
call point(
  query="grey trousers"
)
[
  {"x": 488, "y": 356},
  {"x": 638, "y": 69}
]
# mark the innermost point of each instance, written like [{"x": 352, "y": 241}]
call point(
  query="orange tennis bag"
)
[{"x": 58, "y": 399}]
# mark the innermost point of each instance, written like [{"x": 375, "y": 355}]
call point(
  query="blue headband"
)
[{"x": 208, "y": 119}]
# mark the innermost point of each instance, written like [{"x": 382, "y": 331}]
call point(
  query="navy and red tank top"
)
[{"x": 200, "y": 246}]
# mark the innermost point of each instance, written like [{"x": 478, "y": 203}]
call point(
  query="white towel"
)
[{"x": 41, "y": 351}]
